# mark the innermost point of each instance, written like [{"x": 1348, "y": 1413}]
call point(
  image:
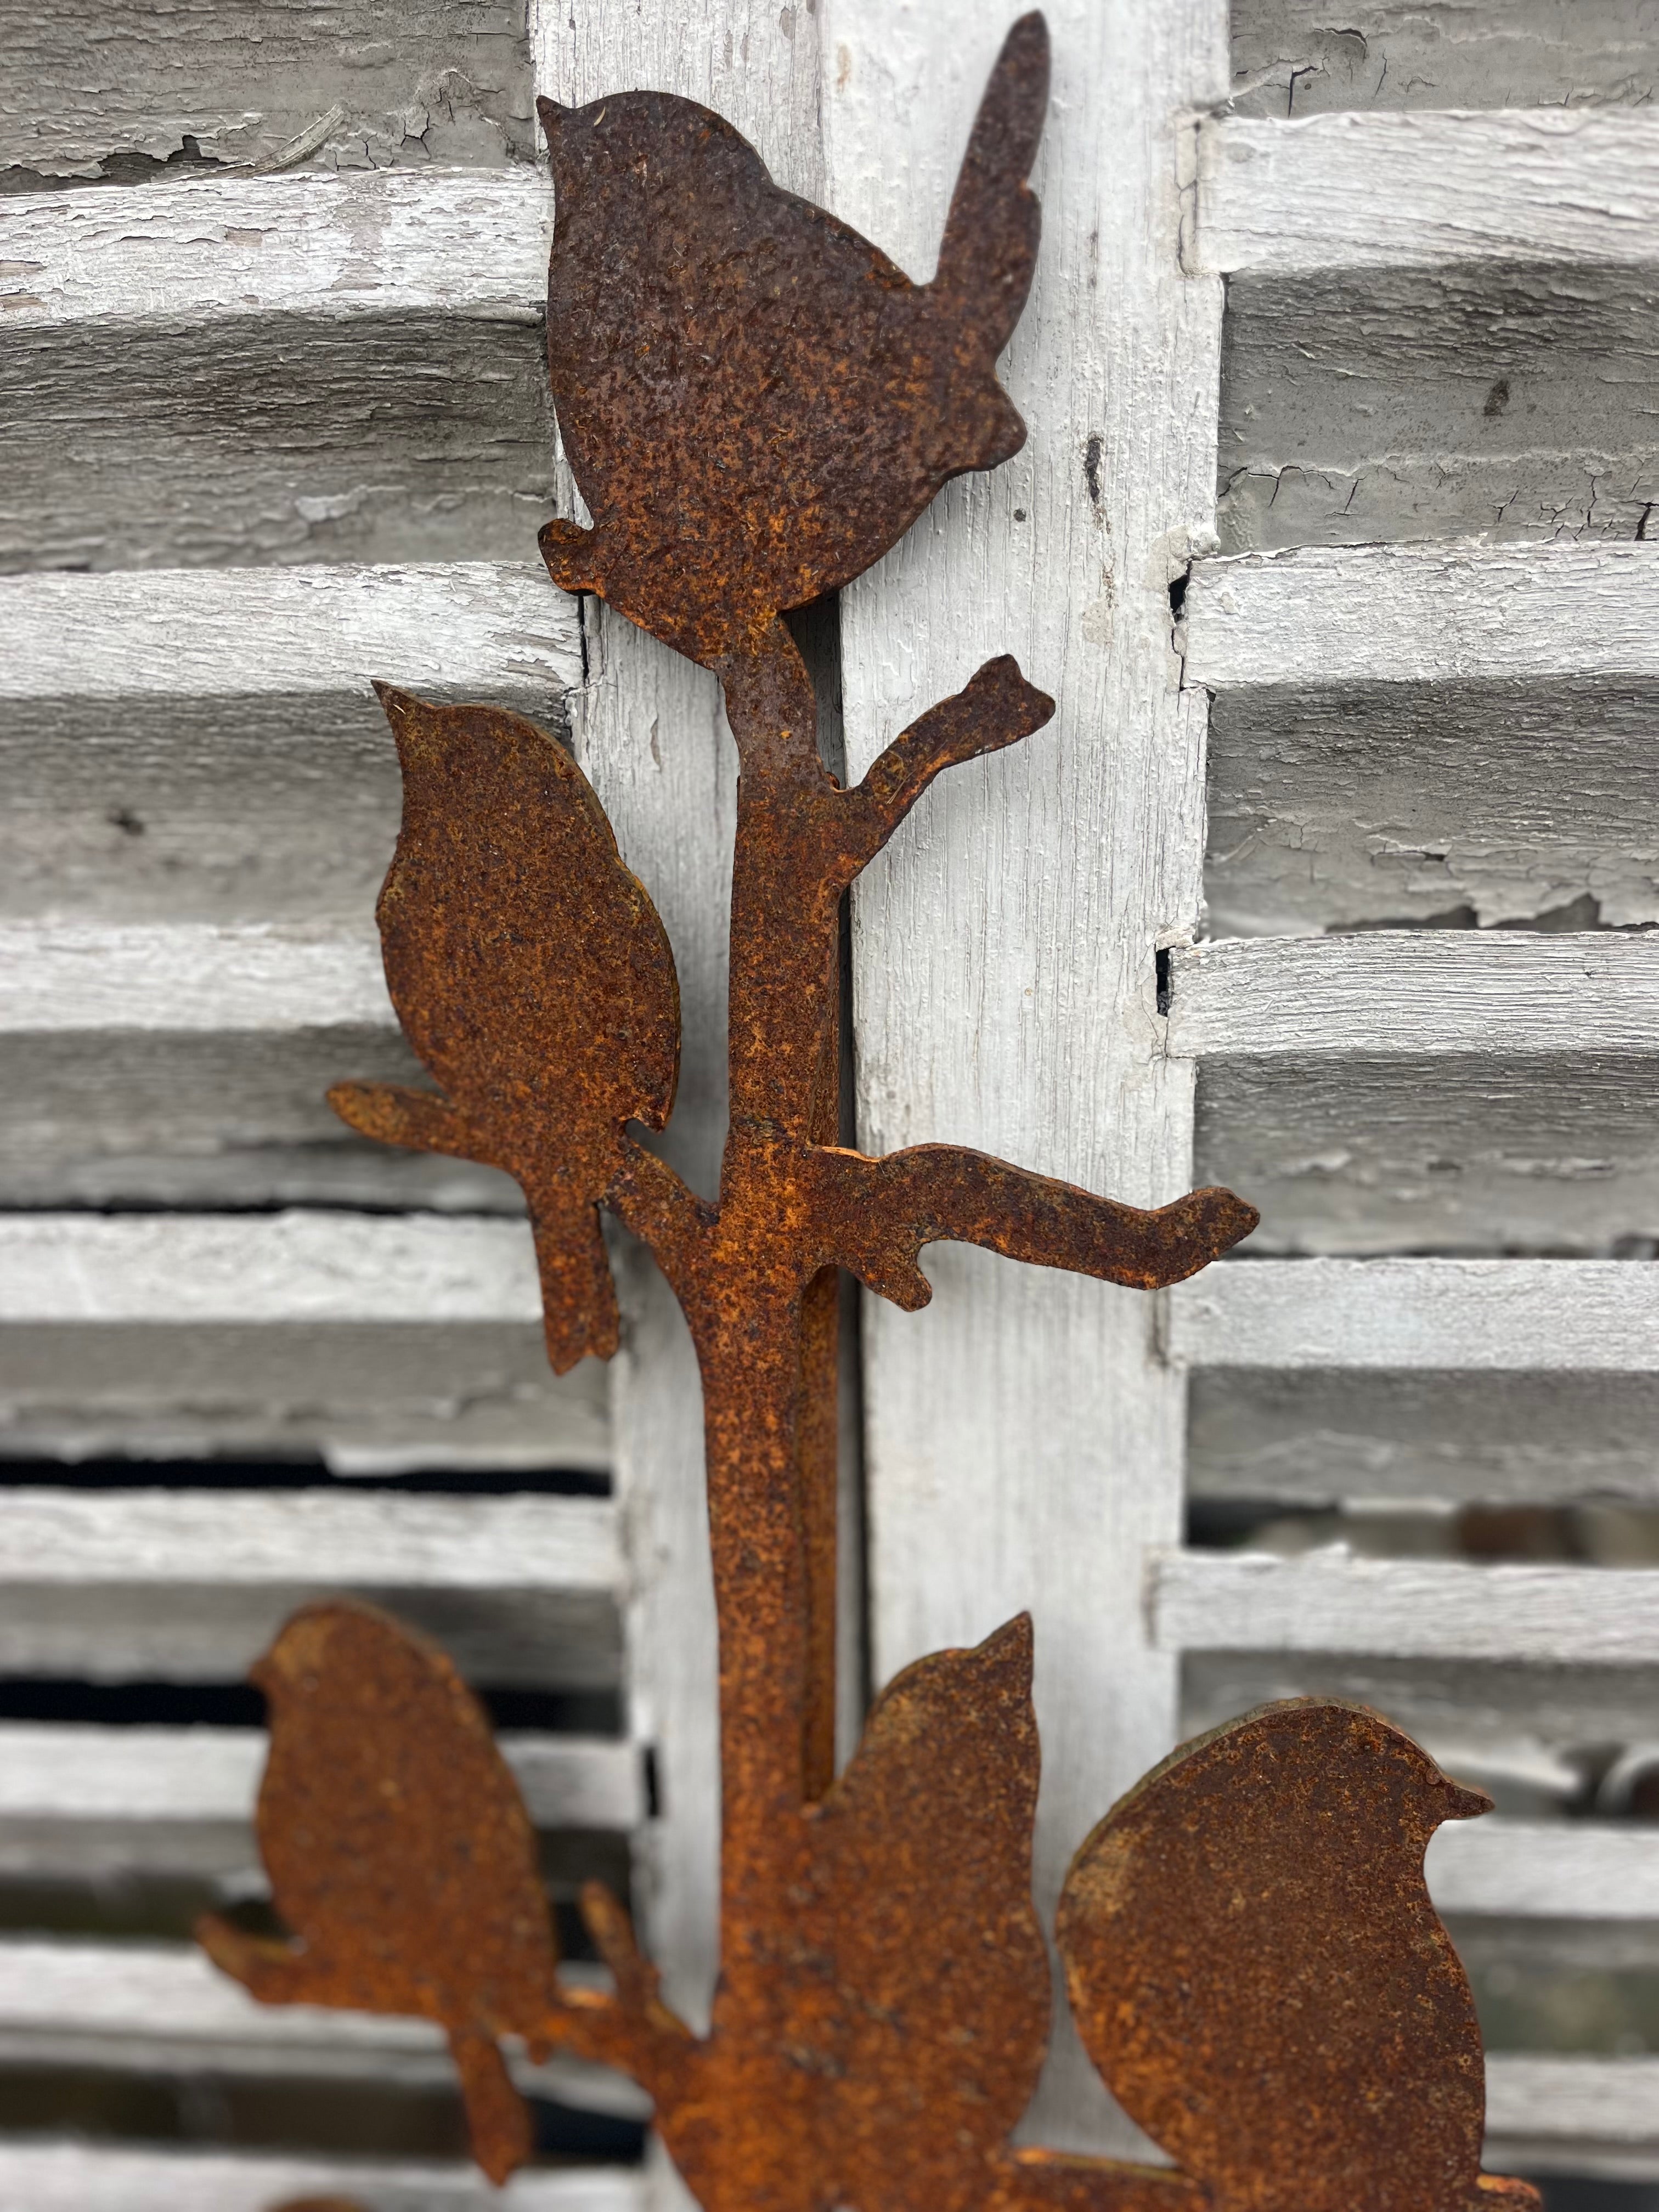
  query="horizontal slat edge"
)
[
  {"x": 76, "y": 2176},
  {"x": 253, "y": 1539},
  {"x": 459, "y": 242},
  {"x": 1436, "y": 1316},
  {"x": 1429, "y": 188},
  {"x": 162, "y": 1269},
  {"x": 1415, "y": 993},
  {"x": 1331, "y": 1601},
  {"x": 1568, "y": 2104},
  {"x": 462, "y": 626},
  {"x": 1546, "y": 1869},
  {"x": 1457, "y": 610},
  {"x": 54, "y": 1772},
  {"x": 184, "y": 976}
]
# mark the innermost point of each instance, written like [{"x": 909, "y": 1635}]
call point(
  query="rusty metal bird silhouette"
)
[
  {"x": 755, "y": 401},
  {"x": 1256, "y": 1969},
  {"x": 399, "y": 1853}
]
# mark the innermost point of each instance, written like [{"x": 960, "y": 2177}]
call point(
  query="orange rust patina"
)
[{"x": 756, "y": 404}]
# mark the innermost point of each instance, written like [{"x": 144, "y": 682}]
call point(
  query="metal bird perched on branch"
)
[
  {"x": 757, "y": 405},
  {"x": 755, "y": 402}
]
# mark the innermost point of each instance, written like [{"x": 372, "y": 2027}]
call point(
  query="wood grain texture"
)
[
  {"x": 196, "y": 1119},
  {"x": 1509, "y": 1316},
  {"x": 79, "y": 2177},
  {"x": 1329, "y": 1601},
  {"x": 212, "y": 1630},
  {"x": 1469, "y": 1155},
  {"x": 406, "y": 436},
  {"x": 1415, "y": 189},
  {"x": 1004, "y": 943},
  {"x": 262, "y": 83},
  {"x": 187, "y": 1064},
  {"x": 191, "y": 1585},
  {"x": 1532, "y": 804},
  {"x": 234, "y": 634},
  {"x": 294, "y": 1267},
  {"x": 1573, "y": 2116},
  {"x": 364, "y": 1398},
  {"x": 1381, "y": 403},
  {"x": 184, "y": 977},
  {"x": 170, "y": 1775},
  {"x": 1312, "y": 1437},
  {"x": 456, "y": 241},
  {"x": 251, "y": 1537},
  {"x": 1287, "y": 58},
  {"x": 1418, "y": 994},
  {"x": 1429, "y": 614},
  {"x": 1551, "y": 1869}
]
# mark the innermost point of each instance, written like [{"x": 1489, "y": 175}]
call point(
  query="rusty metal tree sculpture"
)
[{"x": 756, "y": 404}]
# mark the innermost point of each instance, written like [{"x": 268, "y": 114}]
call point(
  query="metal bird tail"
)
[
  {"x": 579, "y": 1300},
  {"x": 989, "y": 248},
  {"x": 497, "y": 2118}
]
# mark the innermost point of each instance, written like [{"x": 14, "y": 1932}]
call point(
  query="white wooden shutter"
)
[
  {"x": 286, "y": 418},
  {"x": 1424, "y": 1023}
]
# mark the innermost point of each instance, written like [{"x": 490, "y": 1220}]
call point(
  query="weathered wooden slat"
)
[
  {"x": 79, "y": 2177},
  {"x": 263, "y": 82},
  {"x": 1402, "y": 803},
  {"x": 1466, "y": 612},
  {"x": 1547, "y": 1869},
  {"x": 1573, "y": 185},
  {"x": 1478, "y": 398},
  {"x": 1288, "y": 58},
  {"x": 204, "y": 1119},
  {"x": 187, "y": 976},
  {"x": 191, "y": 1585},
  {"x": 1466, "y": 1156},
  {"x": 168, "y": 1269},
  {"x": 168, "y": 1775},
  {"x": 233, "y": 634},
  {"x": 255, "y": 440},
  {"x": 222, "y": 756},
  {"x": 1406, "y": 1608},
  {"x": 387, "y": 242},
  {"x": 212, "y": 1630},
  {"x": 1596, "y": 2115},
  {"x": 368, "y": 1397},
  {"x": 1420, "y": 995},
  {"x": 75, "y": 1538},
  {"x": 1313, "y": 1435},
  {"x": 1447, "y": 1315}
]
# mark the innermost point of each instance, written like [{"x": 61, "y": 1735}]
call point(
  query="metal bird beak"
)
[{"x": 1452, "y": 1801}]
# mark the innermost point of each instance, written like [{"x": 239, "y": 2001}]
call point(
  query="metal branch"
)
[
  {"x": 995, "y": 708},
  {"x": 877, "y": 1214}
]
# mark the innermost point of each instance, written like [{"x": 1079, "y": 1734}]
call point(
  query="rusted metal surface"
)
[
  {"x": 530, "y": 974},
  {"x": 755, "y": 401},
  {"x": 1255, "y": 1967},
  {"x": 757, "y": 405},
  {"x": 399, "y": 1854}
]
